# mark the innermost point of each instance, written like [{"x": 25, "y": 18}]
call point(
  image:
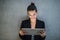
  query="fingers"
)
[
  {"x": 42, "y": 34},
  {"x": 21, "y": 32},
  {"x": 41, "y": 31}
]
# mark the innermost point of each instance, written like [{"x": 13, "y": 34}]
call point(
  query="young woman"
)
[{"x": 32, "y": 23}]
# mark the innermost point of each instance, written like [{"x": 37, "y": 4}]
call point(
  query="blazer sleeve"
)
[
  {"x": 43, "y": 24},
  {"x": 21, "y": 26}
]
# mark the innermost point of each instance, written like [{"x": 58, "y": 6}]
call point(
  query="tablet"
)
[{"x": 29, "y": 31}]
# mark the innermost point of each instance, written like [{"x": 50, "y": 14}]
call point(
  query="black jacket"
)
[{"x": 26, "y": 24}]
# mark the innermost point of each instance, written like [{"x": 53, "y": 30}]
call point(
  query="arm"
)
[
  {"x": 20, "y": 31},
  {"x": 43, "y": 32}
]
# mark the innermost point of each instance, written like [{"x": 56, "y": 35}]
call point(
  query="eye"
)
[{"x": 29, "y": 15}]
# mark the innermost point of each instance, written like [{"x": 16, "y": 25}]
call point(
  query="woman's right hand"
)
[{"x": 21, "y": 32}]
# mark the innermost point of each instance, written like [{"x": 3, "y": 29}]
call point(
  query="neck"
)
[{"x": 33, "y": 20}]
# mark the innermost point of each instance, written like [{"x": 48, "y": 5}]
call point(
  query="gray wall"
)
[{"x": 12, "y": 12}]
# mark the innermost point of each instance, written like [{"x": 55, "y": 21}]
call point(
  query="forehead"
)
[{"x": 32, "y": 12}]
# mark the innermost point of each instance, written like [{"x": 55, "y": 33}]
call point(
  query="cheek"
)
[
  {"x": 35, "y": 16},
  {"x": 30, "y": 16}
]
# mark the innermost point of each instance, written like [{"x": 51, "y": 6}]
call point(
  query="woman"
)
[{"x": 32, "y": 23}]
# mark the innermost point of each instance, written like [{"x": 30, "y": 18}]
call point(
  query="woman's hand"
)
[
  {"x": 42, "y": 33},
  {"x": 21, "y": 32}
]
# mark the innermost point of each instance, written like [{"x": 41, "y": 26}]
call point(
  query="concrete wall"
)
[{"x": 12, "y": 12}]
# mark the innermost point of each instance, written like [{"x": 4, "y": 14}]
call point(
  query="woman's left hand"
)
[{"x": 42, "y": 33}]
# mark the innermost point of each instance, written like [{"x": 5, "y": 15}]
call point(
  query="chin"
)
[{"x": 33, "y": 18}]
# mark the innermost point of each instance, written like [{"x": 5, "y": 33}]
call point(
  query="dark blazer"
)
[{"x": 26, "y": 24}]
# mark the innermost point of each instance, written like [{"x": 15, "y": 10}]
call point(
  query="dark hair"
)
[{"x": 31, "y": 7}]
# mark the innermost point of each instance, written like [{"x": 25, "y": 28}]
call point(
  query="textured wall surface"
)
[{"x": 12, "y": 12}]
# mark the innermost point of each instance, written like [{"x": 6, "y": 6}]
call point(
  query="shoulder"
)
[
  {"x": 40, "y": 21},
  {"x": 25, "y": 21},
  {"x": 40, "y": 24}
]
